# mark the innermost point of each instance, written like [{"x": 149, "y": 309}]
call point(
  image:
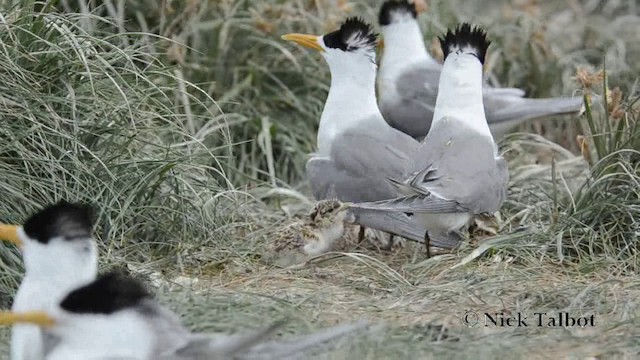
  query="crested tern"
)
[
  {"x": 59, "y": 254},
  {"x": 115, "y": 317},
  {"x": 357, "y": 149},
  {"x": 408, "y": 82},
  {"x": 457, "y": 172}
]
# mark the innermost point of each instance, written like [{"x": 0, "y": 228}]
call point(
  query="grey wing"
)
[
  {"x": 297, "y": 347},
  {"x": 414, "y": 204},
  {"x": 171, "y": 335},
  {"x": 491, "y": 188},
  {"x": 506, "y": 111},
  {"x": 418, "y": 91},
  {"x": 360, "y": 165},
  {"x": 392, "y": 222},
  {"x": 331, "y": 181},
  {"x": 500, "y": 187},
  {"x": 455, "y": 170},
  {"x": 220, "y": 346},
  {"x": 493, "y": 92}
]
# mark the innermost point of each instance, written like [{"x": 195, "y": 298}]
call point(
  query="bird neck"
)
[
  {"x": 351, "y": 99},
  {"x": 60, "y": 262},
  {"x": 402, "y": 41},
  {"x": 460, "y": 92}
]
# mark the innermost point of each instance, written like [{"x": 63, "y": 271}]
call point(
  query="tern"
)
[
  {"x": 115, "y": 317},
  {"x": 457, "y": 172},
  {"x": 321, "y": 230},
  {"x": 408, "y": 82},
  {"x": 357, "y": 149},
  {"x": 59, "y": 254}
]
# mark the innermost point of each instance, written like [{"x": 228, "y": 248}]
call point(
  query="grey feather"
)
[
  {"x": 508, "y": 112},
  {"x": 454, "y": 171},
  {"x": 466, "y": 168},
  {"x": 297, "y": 348},
  {"x": 396, "y": 223},
  {"x": 205, "y": 347},
  {"x": 505, "y": 108},
  {"x": 418, "y": 91},
  {"x": 359, "y": 165},
  {"x": 414, "y": 204},
  {"x": 445, "y": 240},
  {"x": 250, "y": 346}
]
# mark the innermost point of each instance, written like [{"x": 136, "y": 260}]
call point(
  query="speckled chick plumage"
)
[{"x": 321, "y": 230}]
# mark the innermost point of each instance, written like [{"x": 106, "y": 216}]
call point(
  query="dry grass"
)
[{"x": 222, "y": 176}]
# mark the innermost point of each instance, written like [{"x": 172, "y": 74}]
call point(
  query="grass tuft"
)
[{"x": 89, "y": 120}]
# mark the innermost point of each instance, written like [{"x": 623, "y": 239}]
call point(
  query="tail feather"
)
[
  {"x": 491, "y": 91},
  {"x": 285, "y": 349},
  {"x": 222, "y": 346},
  {"x": 522, "y": 109},
  {"x": 505, "y": 113},
  {"x": 391, "y": 222},
  {"x": 401, "y": 224}
]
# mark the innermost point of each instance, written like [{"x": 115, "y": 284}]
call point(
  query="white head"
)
[
  {"x": 464, "y": 52},
  {"x": 403, "y": 43},
  {"x": 56, "y": 244},
  {"x": 350, "y": 52},
  {"x": 461, "y": 80}
]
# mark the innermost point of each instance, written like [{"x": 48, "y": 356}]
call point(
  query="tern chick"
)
[{"x": 323, "y": 229}]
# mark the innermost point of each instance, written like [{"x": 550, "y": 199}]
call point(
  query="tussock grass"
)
[
  {"x": 89, "y": 120},
  {"x": 188, "y": 124}
]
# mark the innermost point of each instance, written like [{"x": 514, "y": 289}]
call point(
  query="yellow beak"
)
[
  {"x": 308, "y": 41},
  {"x": 381, "y": 44},
  {"x": 10, "y": 233},
  {"x": 39, "y": 318}
]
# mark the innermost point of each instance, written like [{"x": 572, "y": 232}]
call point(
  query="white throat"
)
[
  {"x": 52, "y": 269},
  {"x": 460, "y": 92},
  {"x": 403, "y": 47},
  {"x": 402, "y": 41},
  {"x": 351, "y": 101}
]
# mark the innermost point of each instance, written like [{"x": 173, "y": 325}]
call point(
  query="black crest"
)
[
  {"x": 354, "y": 34},
  {"x": 464, "y": 36},
  {"x": 392, "y": 8},
  {"x": 107, "y": 294},
  {"x": 71, "y": 221}
]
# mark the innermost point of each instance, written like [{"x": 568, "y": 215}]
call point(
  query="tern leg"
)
[
  {"x": 427, "y": 243},
  {"x": 361, "y": 234},
  {"x": 389, "y": 244}
]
